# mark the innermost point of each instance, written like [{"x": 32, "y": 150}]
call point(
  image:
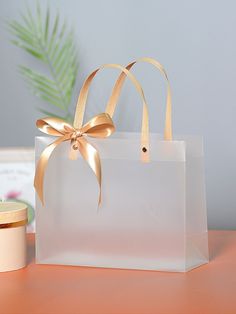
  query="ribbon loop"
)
[
  {"x": 54, "y": 126},
  {"x": 97, "y": 127}
]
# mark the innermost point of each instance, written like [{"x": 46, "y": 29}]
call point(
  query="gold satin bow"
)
[{"x": 100, "y": 126}]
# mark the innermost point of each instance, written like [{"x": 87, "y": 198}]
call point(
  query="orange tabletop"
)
[{"x": 63, "y": 289}]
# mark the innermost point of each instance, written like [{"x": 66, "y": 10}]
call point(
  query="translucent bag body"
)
[{"x": 152, "y": 215}]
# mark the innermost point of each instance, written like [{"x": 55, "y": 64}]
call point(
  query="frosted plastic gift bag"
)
[{"x": 153, "y": 211}]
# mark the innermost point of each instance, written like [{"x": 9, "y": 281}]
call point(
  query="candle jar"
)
[{"x": 13, "y": 220}]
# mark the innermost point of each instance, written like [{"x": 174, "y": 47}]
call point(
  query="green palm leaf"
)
[{"x": 52, "y": 44}]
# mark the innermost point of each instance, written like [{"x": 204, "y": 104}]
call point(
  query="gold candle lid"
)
[{"x": 11, "y": 212}]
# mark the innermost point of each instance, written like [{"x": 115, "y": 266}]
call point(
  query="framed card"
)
[{"x": 16, "y": 179}]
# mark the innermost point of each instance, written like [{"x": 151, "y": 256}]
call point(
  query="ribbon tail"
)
[
  {"x": 42, "y": 165},
  {"x": 91, "y": 155}
]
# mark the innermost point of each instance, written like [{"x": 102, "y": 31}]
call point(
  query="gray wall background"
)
[{"x": 194, "y": 40}]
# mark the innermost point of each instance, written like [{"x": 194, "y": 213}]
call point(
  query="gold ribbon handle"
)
[
  {"x": 82, "y": 100},
  {"x": 111, "y": 105}
]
